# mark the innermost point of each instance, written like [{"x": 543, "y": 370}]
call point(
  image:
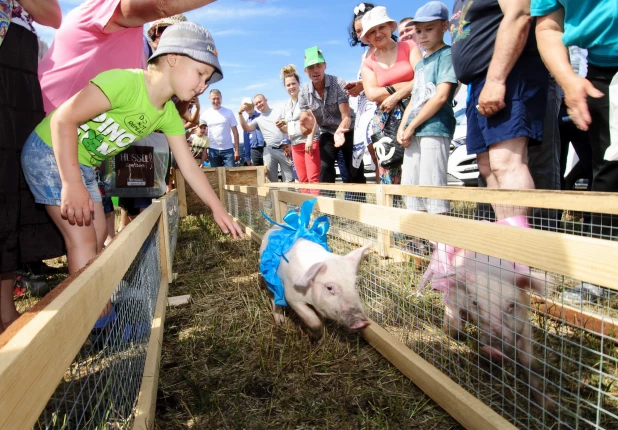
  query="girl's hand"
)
[
  {"x": 400, "y": 131},
  {"x": 309, "y": 147},
  {"x": 226, "y": 223},
  {"x": 76, "y": 204},
  {"x": 406, "y": 139}
]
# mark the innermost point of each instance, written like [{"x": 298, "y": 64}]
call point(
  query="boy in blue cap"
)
[{"x": 428, "y": 122}]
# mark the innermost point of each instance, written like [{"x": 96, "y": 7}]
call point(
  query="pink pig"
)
[
  {"x": 318, "y": 284},
  {"x": 491, "y": 293}
]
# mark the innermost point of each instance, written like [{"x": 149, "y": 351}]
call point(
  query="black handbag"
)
[{"x": 388, "y": 151}]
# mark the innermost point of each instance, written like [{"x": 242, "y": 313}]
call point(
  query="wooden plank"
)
[
  {"x": 584, "y": 201},
  {"x": 575, "y": 317},
  {"x": 461, "y": 405},
  {"x": 34, "y": 359},
  {"x": 182, "y": 194},
  {"x": 147, "y": 398},
  {"x": 221, "y": 179},
  {"x": 178, "y": 300},
  {"x": 359, "y": 188},
  {"x": 274, "y": 199},
  {"x": 261, "y": 176},
  {"x": 249, "y": 190},
  {"x": 583, "y": 258},
  {"x": 385, "y": 236},
  {"x": 241, "y": 177},
  {"x": 165, "y": 237}
]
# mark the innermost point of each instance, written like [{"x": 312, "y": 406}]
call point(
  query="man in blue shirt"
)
[
  {"x": 592, "y": 26},
  {"x": 254, "y": 141}
]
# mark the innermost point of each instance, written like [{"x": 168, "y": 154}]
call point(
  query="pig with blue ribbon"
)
[{"x": 301, "y": 272}]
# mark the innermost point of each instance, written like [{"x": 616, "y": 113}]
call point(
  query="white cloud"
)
[{"x": 283, "y": 52}]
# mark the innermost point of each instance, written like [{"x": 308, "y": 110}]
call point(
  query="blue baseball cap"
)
[{"x": 432, "y": 11}]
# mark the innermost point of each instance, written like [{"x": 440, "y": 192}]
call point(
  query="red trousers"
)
[{"x": 307, "y": 165}]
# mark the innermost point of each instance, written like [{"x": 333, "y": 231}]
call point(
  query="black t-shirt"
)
[{"x": 474, "y": 28}]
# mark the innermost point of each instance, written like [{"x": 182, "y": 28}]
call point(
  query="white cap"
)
[{"x": 247, "y": 101}]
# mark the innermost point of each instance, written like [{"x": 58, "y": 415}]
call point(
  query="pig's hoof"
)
[
  {"x": 316, "y": 334},
  {"x": 279, "y": 318}
]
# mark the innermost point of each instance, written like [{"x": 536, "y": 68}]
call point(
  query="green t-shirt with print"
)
[{"x": 131, "y": 117}]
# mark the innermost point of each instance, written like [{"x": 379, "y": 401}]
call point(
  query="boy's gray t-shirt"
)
[
  {"x": 431, "y": 71},
  {"x": 266, "y": 124}
]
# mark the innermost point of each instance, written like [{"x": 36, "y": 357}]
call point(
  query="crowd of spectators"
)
[{"x": 518, "y": 61}]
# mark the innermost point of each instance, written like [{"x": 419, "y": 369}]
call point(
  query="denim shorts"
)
[
  {"x": 41, "y": 173},
  {"x": 524, "y": 114}
]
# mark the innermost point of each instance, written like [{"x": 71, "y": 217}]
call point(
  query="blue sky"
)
[{"x": 255, "y": 39}]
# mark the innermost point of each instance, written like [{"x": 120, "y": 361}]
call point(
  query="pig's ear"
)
[
  {"x": 355, "y": 256},
  {"x": 306, "y": 278},
  {"x": 535, "y": 281}
]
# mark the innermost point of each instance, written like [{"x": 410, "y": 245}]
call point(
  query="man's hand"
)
[
  {"x": 236, "y": 155},
  {"x": 249, "y": 163},
  {"x": 575, "y": 97},
  {"x": 242, "y": 109},
  {"x": 491, "y": 100},
  {"x": 307, "y": 122},
  {"x": 340, "y": 137}
]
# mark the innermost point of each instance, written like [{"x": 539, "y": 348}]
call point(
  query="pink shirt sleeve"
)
[
  {"x": 103, "y": 13},
  {"x": 81, "y": 50}
]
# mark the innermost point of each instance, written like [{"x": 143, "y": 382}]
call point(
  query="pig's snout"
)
[{"x": 359, "y": 325}]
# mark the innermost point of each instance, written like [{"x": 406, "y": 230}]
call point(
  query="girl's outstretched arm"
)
[
  {"x": 196, "y": 178},
  {"x": 76, "y": 204}
]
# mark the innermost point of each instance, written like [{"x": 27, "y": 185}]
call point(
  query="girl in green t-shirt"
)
[{"x": 117, "y": 108}]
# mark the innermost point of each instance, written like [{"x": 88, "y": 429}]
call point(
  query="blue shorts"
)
[
  {"x": 41, "y": 173},
  {"x": 524, "y": 114}
]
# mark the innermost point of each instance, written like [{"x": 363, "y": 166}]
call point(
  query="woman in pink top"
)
[
  {"x": 387, "y": 74},
  {"x": 100, "y": 35}
]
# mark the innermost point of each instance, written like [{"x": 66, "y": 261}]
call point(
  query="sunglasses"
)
[{"x": 158, "y": 32}]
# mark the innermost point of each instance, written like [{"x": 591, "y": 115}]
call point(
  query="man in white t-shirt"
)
[
  {"x": 277, "y": 152},
  {"x": 222, "y": 125}
]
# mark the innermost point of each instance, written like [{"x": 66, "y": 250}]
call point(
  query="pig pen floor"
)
[{"x": 225, "y": 364}]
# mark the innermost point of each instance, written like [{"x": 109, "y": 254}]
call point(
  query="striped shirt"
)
[{"x": 326, "y": 111}]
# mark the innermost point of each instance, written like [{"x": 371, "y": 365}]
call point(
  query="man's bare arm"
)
[{"x": 510, "y": 41}]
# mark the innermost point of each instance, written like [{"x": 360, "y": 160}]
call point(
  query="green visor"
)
[{"x": 313, "y": 56}]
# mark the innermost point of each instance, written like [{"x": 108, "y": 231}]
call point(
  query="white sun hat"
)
[{"x": 373, "y": 18}]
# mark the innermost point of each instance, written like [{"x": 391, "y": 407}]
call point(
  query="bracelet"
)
[{"x": 391, "y": 89}]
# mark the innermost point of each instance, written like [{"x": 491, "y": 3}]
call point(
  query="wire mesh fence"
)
[
  {"x": 173, "y": 219},
  {"x": 539, "y": 348},
  {"x": 100, "y": 388}
]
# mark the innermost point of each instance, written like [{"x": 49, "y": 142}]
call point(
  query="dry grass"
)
[{"x": 225, "y": 364}]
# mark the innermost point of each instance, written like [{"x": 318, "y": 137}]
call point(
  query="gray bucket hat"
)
[{"x": 192, "y": 40}]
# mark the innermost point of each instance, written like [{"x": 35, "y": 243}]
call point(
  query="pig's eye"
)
[
  {"x": 510, "y": 308},
  {"x": 330, "y": 288},
  {"x": 475, "y": 303}
]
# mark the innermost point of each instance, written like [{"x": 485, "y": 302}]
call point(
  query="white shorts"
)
[{"x": 425, "y": 163}]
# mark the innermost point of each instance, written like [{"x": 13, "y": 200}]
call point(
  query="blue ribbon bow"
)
[{"x": 281, "y": 241}]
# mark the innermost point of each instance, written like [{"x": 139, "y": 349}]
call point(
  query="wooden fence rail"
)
[{"x": 37, "y": 349}]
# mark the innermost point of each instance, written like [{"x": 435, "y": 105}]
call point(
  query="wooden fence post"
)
[
  {"x": 221, "y": 178},
  {"x": 385, "y": 236},
  {"x": 260, "y": 176},
  {"x": 165, "y": 241},
  {"x": 182, "y": 194},
  {"x": 278, "y": 206}
]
